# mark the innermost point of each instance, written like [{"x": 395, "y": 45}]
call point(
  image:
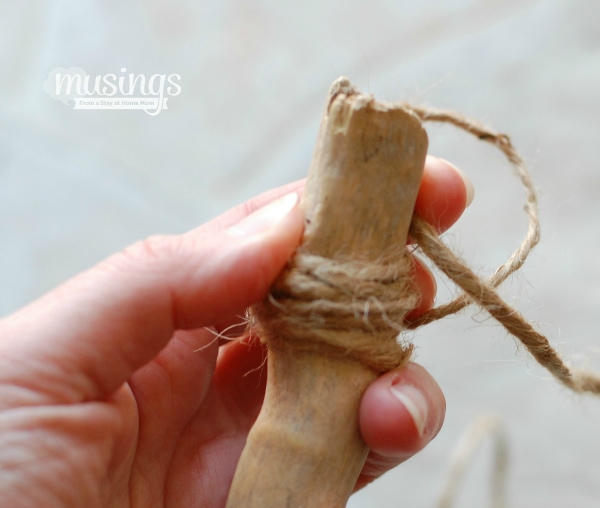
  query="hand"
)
[{"x": 113, "y": 392}]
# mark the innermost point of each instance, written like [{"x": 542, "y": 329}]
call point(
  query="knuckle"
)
[
  {"x": 154, "y": 247},
  {"x": 153, "y": 250}
]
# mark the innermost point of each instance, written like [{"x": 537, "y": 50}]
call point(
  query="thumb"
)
[
  {"x": 400, "y": 413},
  {"x": 86, "y": 338}
]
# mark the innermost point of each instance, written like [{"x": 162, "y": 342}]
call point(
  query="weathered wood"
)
[{"x": 305, "y": 449}]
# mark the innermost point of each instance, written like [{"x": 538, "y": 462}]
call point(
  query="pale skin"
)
[{"x": 114, "y": 391}]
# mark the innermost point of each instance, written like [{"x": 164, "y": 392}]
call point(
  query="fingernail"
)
[
  {"x": 414, "y": 402},
  {"x": 266, "y": 217},
  {"x": 467, "y": 181}
]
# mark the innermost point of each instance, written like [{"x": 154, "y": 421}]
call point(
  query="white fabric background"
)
[{"x": 76, "y": 186}]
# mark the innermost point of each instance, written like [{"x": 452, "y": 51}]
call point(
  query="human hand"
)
[{"x": 114, "y": 393}]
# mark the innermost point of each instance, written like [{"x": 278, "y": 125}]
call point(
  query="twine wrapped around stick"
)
[
  {"x": 318, "y": 298},
  {"x": 334, "y": 315},
  {"x": 316, "y": 295}
]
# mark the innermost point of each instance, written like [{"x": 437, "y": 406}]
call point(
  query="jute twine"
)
[
  {"x": 316, "y": 298},
  {"x": 484, "y": 427},
  {"x": 342, "y": 308}
]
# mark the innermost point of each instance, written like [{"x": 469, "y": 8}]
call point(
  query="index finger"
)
[{"x": 443, "y": 195}]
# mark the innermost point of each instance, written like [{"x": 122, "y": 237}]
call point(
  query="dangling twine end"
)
[
  {"x": 583, "y": 381},
  {"x": 484, "y": 427}
]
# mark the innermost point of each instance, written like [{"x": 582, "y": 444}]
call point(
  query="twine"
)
[
  {"x": 356, "y": 309},
  {"x": 350, "y": 308},
  {"x": 485, "y": 426}
]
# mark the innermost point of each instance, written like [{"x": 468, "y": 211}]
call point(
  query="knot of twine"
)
[
  {"x": 345, "y": 308},
  {"x": 316, "y": 298}
]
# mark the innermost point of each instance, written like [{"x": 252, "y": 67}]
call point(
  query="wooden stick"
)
[{"x": 305, "y": 449}]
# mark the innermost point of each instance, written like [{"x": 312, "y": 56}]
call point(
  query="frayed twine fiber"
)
[{"x": 315, "y": 296}]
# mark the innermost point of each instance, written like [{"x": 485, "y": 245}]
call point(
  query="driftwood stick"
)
[{"x": 305, "y": 449}]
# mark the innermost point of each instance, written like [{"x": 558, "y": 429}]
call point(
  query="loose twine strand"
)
[
  {"x": 316, "y": 298},
  {"x": 481, "y": 292},
  {"x": 483, "y": 427},
  {"x": 532, "y": 237}
]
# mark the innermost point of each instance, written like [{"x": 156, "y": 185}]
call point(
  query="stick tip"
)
[{"x": 341, "y": 85}]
